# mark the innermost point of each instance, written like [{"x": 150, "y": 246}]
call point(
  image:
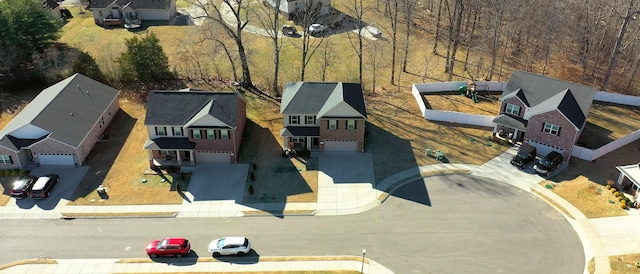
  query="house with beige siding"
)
[
  {"x": 187, "y": 127},
  {"x": 549, "y": 114},
  {"x": 60, "y": 126},
  {"x": 323, "y": 116},
  {"x": 131, "y": 13}
]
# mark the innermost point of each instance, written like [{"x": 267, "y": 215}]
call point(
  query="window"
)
[
  {"x": 351, "y": 124},
  {"x": 310, "y": 120},
  {"x": 512, "y": 109},
  {"x": 333, "y": 124},
  {"x": 294, "y": 120},
  {"x": 168, "y": 152},
  {"x": 551, "y": 129},
  {"x": 161, "y": 131},
  {"x": 177, "y": 131},
  {"x": 5, "y": 159},
  {"x": 210, "y": 134},
  {"x": 197, "y": 134},
  {"x": 297, "y": 139},
  {"x": 224, "y": 134}
]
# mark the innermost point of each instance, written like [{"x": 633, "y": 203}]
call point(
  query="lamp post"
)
[{"x": 364, "y": 251}]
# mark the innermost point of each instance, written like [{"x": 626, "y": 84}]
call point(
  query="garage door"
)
[
  {"x": 56, "y": 159},
  {"x": 212, "y": 157},
  {"x": 543, "y": 149},
  {"x": 341, "y": 145}
]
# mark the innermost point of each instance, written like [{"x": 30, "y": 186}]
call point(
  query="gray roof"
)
[
  {"x": 68, "y": 110},
  {"x": 169, "y": 143},
  {"x": 300, "y": 131},
  {"x": 317, "y": 98},
  {"x": 544, "y": 94},
  {"x": 510, "y": 121},
  {"x": 135, "y": 4},
  {"x": 177, "y": 108}
]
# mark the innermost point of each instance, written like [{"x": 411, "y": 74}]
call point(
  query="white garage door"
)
[
  {"x": 341, "y": 146},
  {"x": 212, "y": 157},
  {"x": 543, "y": 149},
  {"x": 56, "y": 159}
]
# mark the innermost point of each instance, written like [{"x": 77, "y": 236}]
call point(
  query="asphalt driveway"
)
[{"x": 70, "y": 177}]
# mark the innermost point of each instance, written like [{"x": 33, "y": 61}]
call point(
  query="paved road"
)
[{"x": 444, "y": 224}]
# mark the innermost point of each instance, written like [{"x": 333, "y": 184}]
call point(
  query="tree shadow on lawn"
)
[
  {"x": 274, "y": 178},
  {"x": 104, "y": 154}
]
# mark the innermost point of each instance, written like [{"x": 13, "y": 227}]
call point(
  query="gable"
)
[
  {"x": 137, "y": 4},
  {"x": 321, "y": 98},
  {"x": 341, "y": 109},
  {"x": 566, "y": 104}
]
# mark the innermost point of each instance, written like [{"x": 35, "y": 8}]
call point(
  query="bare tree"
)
[
  {"x": 392, "y": 7},
  {"x": 327, "y": 59},
  {"x": 617, "y": 49},
  {"x": 307, "y": 15},
  {"x": 357, "y": 11},
  {"x": 229, "y": 10},
  {"x": 269, "y": 18},
  {"x": 454, "y": 37},
  {"x": 409, "y": 6}
]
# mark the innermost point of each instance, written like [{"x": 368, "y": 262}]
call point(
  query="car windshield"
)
[
  {"x": 221, "y": 243},
  {"x": 162, "y": 243},
  {"x": 545, "y": 162}
]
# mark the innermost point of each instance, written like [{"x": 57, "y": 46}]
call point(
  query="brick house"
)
[
  {"x": 60, "y": 126},
  {"x": 323, "y": 116},
  {"x": 187, "y": 127},
  {"x": 131, "y": 13},
  {"x": 547, "y": 113}
]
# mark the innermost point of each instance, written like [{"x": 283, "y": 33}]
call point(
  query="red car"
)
[{"x": 168, "y": 247}]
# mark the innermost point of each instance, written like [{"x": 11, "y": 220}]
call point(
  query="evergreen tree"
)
[
  {"x": 86, "y": 65},
  {"x": 144, "y": 60}
]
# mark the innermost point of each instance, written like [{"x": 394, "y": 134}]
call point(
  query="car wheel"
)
[
  {"x": 179, "y": 255},
  {"x": 240, "y": 253},
  {"x": 154, "y": 255},
  {"x": 215, "y": 254}
]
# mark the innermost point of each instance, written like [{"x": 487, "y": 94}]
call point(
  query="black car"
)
[
  {"x": 22, "y": 187},
  {"x": 289, "y": 30},
  {"x": 548, "y": 163},
  {"x": 43, "y": 186},
  {"x": 526, "y": 154}
]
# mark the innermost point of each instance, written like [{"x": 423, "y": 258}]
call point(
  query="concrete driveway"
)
[
  {"x": 347, "y": 167},
  {"x": 211, "y": 182},
  {"x": 70, "y": 177}
]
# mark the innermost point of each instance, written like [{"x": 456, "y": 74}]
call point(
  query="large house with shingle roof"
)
[
  {"x": 547, "y": 113},
  {"x": 131, "y": 12},
  {"x": 60, "y": 126},
  {"x": 187, "y": 127},
  {"x": 323, "y": 116}
]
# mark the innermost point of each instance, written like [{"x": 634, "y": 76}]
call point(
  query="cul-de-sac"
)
[{"x": 319, "y": 136}]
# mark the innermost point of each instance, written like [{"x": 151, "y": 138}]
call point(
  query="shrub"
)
[
  {"x": 253, "y": 166},
  {"x": 608, "y": 187},
  {"x": 623, "y": 205},
  {"x": 14, "y": 172},
  {"x": 611, "y": 183},
  {"x": 613, "y": 189},
  {"x": 251, "y": 189},
  {"x": 252, "y": 176},
  {"x": 617, "y": 194},
  {"x": 621, "y": 198}
]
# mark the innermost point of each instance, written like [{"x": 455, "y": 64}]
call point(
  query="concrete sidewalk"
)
[{"x": 99, "y": 266}]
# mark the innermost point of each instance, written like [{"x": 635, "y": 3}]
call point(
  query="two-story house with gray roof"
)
[
  {"x": 131, "y": 13},
  {"x": 547, "y": 113},
  {"x": 187, "y": 127},
  {"x": 60, "y": 126},
  {"x": 323, "y": 116}
]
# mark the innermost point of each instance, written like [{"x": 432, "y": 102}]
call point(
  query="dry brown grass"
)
[
  {"x": 488, "y": 104},
  {"x": 624, "y": 264},
  {"x": 553, "y": 203},
  {"x": 30, "y": 261},
  {"x": 592, "y": 199},
  {"x": 608, "y": 122}
]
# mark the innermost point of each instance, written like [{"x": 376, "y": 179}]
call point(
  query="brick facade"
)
[
  {"x": 51, "y": 146},
  {"x": 514, "y": 101},
  {"x": 98, "y": 129},
  {"x": 341, "y": 133},
  {"x": 566, "y": 137}
]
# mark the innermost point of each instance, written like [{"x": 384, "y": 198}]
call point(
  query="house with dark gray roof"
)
[
  {"x": 187, "y": 127},
  {"x": 323, "y": 116},
  {"x": 130, "y": 13},
  {"x": 60, "y": 126},
  {"x": 547, "y": 113}
]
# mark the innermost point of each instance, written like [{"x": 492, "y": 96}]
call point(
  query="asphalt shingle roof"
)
[
  {"x": 67, "y": 110},
  {"x": 316, "y": 98},
  {"x": 179, "y": 107},
  {"x": 135, "y": 4},
  {"x": 544, "y": 94}
]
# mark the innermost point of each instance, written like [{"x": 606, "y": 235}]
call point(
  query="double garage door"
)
[
  {"x": 543, "y": 149},
  {"x": 212, "y": 157},
  {"x": 346, "y": 145},
  {"x": 56, "y": 159}
]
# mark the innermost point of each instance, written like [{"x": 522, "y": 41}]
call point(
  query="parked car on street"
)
[
  {"x": 548, "y": 163},
  {"x": 43, "y": 186},
  {"x": 374, "y": 31},
  {"x": 526, "y": 154},
  {"x": 289, "y": 30},
  {"x": 22, "y": 187},
  {"x": 229, "y": 246},
  {"x": 168, "y": 247},
  {"x": 316, "y": 29}
]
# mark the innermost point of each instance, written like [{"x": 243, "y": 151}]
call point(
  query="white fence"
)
[{"x": 482, "y": 120}]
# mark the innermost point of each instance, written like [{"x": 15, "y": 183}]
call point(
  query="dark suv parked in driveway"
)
[
  {"x": 22, "y": 187},
  {"x": 43, "y": 186},
  {"x": 548, "y": 163},
  {"x": 526, "y": 154}
]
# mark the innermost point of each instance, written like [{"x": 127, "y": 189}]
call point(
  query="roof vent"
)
[{"x": 71, "y": 113}]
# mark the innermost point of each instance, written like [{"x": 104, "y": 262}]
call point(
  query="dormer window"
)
[
  {"x": 294, "y": 120},
  {"x": 512, "y": 109}
]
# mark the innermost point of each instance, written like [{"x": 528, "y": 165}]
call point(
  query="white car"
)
[
  {"x": 374, "y": 31},
  {"x": 316, "y": 29},
  {"x": 229, "y": 246}
]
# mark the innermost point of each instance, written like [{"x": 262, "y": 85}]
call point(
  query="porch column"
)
[
  {"x": 178, "y": 157},
  {"x": 192, "y": 159},
  {"x": 620, "y": 178}
]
